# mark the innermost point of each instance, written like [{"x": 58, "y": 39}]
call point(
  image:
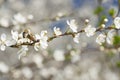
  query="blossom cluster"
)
[{"x": 40, "y": 41}]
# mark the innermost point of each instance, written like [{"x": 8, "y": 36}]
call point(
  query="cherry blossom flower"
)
[
  {"x": 72, "y": 24},
  {"x": 19, "y": 18},
  {"x": 4, "y": 22},
  {"x": 90, "y": 31},
  {"x": 27, "y": 72},
  {"x": 23, "y": 51},
  {"x": 101, "y": 39},
  {"x": 3, "y": 42},
  {"x": 57, "y": 31},
  {"x": 117, "y": 22},
  {"x": 59, "y": 55},
  {"x": 110, "y": 36},
  {"x": 4, "y": 68},
  {"x": 42, "y": 40},
  {"x": 15, "y": 35}
]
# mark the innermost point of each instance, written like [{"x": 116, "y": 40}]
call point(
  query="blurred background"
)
[{"x": 64, "y": 59}]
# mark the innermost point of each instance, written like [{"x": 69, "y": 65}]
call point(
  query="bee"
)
[{"x": 27, "y": 34}]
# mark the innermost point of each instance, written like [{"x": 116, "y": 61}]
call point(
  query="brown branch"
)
[{"x": 64, "y": 34}]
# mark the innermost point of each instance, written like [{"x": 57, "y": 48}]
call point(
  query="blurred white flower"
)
[
  {"x": 72, "y": 24},
  {"x": 23, "y": 51},
  {"x": 4, "y": 68},
  {"x": 110, "y": 36},
  {"x": 38, "y": 59},
  {"x": 27, "y": 72},
  {"x": 3, "y": 42},
  {"x": 4, "y": 22},
  {"x": 59, "y": 55},
  {"x": 76, "y": 38},
  {"x": 19, "y": 18},
  {"x": 45, "y": 73},
  {"x": 90, "y": 31},
  {"x": 110, "y": 75},
  {"x": 68, "y": 72},
  {"x": 30, "y": 17},
  {"x": 15, "y": 35},
  {"x": 57, "y": 31},
  {"x": 42, "y": 40},
  {"x": 101, "y": 39},
  {"x": 75, "y": 56},
  {"x": 117, "y": 22}
]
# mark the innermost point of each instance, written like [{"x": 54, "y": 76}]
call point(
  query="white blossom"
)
[
  {"x": 3, "y": 42},
  {"x": 117, "y": 22},
  {"x": 4, "y": 68},
  {"x": 57, "y": 31},
  {"x": 19, "y": 18},
  {"x": 76, "y": 38},
  {"x": 42, "y": 40},
  {"x": 101, "y": 38},
  {"x": 38, "y": 60},
  {"x": 23, "y": 51},
  {"x": 4, "y": 22},
  {"x": 30, "y": 17},
  {"x": 90, "y": 31},
  {"x": 72, "y": 24},
  {"x": 27, "y": 72},
  {"x": 110, "y": 36},
  {"x": 59, "y": 55},
  {"x": 15, "y": 35}
]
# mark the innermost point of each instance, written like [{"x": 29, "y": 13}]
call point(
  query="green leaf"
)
[
  {"x": 111, "y": 12},
  {"x": 118, "y": 64},
  {"x": 111, "y": 54},
  {"x": 116, "y": 40},
  {"x": 98, "y": 10}
]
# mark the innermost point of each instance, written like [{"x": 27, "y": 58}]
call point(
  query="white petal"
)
[
  {"x": 14, "y": 35},
  {"x": 2, "y": 47},
  {"x": 90, "y": 30},
  {"x": 110, "y": 36},
  {"x": 37, "y": 36},
  {"x": 20, "y": 18},
  {"x": 10, "y": 42},
  {"x": 100, "y": 39},
  {"x": 44, "y": 45},
  {"x": 57, "y": 31},
  {"x": 36, "y": 46},
  {"x": 76, "y": 38},
  {"x": 72, "y": 25},
  {"x": 3, "y": 37},
  {"x": 117, "y": 22}
]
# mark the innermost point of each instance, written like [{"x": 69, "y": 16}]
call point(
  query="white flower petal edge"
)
[
  {"x": 3, "y": 37},
  {"x": 23, "y": 51},
  {"x": 89, "y": 30},
  {"x": 15, "y": 35},
  {"x": 19, "y": 18},
  {"x": 3, "y": 42},
  {"x": 76, "y": 38},
  {"x": 110, "y": 36},
  {"x": 72, "y": 24},
  {"x": 117, "y": 22},
  {"x": 2, "y": 47},
  {"x": 101, "y": 39}
]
